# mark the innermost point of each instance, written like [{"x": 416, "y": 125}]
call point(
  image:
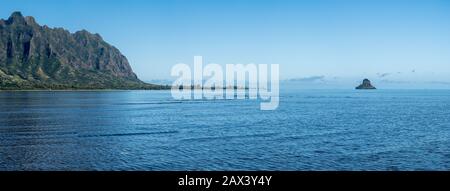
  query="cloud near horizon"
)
[{"x": 308, "y": 79}]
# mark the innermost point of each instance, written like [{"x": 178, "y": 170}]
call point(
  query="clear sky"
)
[{"x": 390, "y": 40}]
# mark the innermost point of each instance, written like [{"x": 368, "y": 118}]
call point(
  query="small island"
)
[{"x": 366, "y": 85}]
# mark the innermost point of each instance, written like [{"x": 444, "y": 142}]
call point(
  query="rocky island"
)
[
  {"x": 366, "y": 85},
  {"x": 39, "y": 57}
]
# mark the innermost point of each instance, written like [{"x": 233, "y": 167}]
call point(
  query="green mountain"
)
[{"x": 39, "y": 57}]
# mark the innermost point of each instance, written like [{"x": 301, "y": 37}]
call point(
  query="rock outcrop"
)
[
  {"x": 366, "y": 85},
  {"x": 39, "y": 57}
]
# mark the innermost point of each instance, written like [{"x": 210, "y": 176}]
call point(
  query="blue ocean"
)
[{"x": 149, "y": 130}]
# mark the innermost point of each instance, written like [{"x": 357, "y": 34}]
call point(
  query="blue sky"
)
[{"x": 386, "y": 40}]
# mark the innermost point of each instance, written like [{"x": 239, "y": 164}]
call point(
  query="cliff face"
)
[{"x": 39, "y": 57}]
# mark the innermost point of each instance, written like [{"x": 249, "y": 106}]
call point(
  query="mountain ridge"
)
[{"x": 38, "y": 57}]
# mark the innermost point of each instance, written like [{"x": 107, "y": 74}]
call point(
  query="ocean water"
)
[{"x": 148, "y": 130}]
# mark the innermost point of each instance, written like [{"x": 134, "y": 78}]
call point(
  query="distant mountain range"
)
[{"x": 39, "y": 57}]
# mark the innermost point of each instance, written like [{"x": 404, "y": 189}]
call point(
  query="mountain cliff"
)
[{"x": 39, "y": 57}]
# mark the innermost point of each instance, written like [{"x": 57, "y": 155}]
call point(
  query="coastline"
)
[
  {"x": 163, "y": 87},
  {"x": 83, "y": 90}
]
